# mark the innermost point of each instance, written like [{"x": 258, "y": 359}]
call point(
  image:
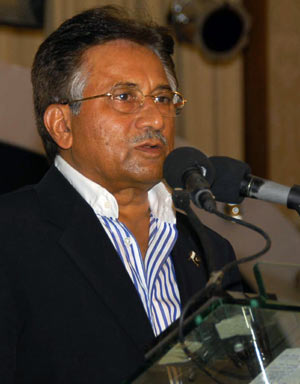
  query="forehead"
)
[{"x": 123, "y": 61}]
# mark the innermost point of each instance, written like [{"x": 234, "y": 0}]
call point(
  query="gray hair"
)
[{"x": 77, "y": 85}]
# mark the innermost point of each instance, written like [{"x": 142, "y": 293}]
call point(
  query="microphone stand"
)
[{"x": 181, "y": 199}]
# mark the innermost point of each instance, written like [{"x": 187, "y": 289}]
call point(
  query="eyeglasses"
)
[{"x": 126, "y": 99}]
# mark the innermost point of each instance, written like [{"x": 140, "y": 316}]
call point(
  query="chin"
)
[
  {"x": 150, "y": 180},
  {"x": 148, "y": 175}
]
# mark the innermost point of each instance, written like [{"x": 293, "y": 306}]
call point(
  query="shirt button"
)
[
  {"x": 107, "y": 205},
  {"x": 127, "y": 241}
]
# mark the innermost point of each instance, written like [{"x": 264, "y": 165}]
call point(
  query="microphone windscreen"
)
[
  {"x": 229, "y": 176},
  {"x": 184, "y": 159}
]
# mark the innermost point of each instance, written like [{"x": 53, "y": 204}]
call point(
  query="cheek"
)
[
  {"x": 170, "y": 133},
  {"x": 171, "y": 143},
  {"x": 111, "y": 140}
]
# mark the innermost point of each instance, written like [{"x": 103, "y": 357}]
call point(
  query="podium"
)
[{"x": 232, "y": 339}]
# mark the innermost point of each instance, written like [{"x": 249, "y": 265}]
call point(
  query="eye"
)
[
  {"x": 128, "y": 96},
  {"x": 164, "y": 98}
]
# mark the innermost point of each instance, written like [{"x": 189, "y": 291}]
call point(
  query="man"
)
[{"x": 94, "y": 262}]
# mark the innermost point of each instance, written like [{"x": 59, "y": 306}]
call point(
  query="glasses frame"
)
[{"x": 110, "y": 95}]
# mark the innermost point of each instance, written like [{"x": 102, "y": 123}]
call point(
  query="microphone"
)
[
  {"x": 233, "y": 182},
  {"x": 190, "y": 169}
]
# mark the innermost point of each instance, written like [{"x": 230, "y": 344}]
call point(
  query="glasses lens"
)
[
  {"x": 125, "y": 99},
  {"x": 129, "y": 100},
  {"x": 168, "y": 102}
]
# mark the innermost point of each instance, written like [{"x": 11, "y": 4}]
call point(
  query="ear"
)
[{"x": 57, "y": 121}]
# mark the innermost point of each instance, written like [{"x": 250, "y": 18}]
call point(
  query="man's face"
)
[{"x": 108, "y": 146}]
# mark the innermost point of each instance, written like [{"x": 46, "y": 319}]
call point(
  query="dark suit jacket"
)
[{"x": 69, "y": 313}]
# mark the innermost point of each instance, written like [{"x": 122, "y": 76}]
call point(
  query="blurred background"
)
[{"x": 238, "y": 64}]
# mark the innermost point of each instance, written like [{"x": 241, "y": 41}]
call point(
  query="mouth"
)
[{"x": 151, "y": 147}]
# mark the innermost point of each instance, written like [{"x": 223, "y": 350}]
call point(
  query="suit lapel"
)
[
  {"x": 190, "y": 277},
  {"x": 86, "y": 243}
]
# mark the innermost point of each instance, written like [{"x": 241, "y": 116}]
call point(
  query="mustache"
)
[{"x": 149, "y": 134}]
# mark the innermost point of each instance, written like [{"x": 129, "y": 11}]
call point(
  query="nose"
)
[{"x": 150, "y": 116}]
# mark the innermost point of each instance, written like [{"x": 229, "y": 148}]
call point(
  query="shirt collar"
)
[{"x": 105, "y": 204}]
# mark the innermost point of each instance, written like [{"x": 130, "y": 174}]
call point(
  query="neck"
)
[
  {"x": 134, "y": 212},
  {"x": 132, "y": 203}
]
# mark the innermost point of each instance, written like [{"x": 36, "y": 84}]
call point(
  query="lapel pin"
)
[{"x": 195, "y": 259}]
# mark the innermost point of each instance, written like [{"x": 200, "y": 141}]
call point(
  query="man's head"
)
[
  {"x": 57, "y": 69},
  {"x": 93, "y": 54}
]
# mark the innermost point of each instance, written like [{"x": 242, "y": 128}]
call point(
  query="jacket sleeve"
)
[{"x": 8, "y": 330}]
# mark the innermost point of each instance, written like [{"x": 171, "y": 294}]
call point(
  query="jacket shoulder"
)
[{"x": 18, "y": 204}]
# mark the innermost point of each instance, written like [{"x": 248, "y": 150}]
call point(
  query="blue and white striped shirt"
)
[{"x": 154, "y": 277}]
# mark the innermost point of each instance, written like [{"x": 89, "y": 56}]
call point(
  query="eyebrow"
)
[
  {"x": 163, "y": 86},
  {"x": 127, "y": 84},
  {"x": 134, "y": 85}
]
